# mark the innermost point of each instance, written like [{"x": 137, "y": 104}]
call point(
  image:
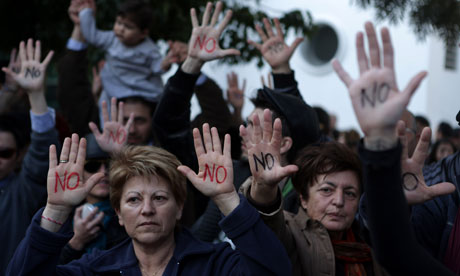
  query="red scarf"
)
[{"x": 353, "y": 253}]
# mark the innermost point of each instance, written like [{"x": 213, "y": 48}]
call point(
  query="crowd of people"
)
[{"x": 119, "y": 179}]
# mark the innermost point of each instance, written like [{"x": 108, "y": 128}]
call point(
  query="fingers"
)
[
  {"x": 343, "y": 75},
  {"x": 130, "y": 121},
  {"x": 244, "y": 135},
  {"x": 267, "y": 129},
  {"x": 30, "y": 49},
  {"x": 295, "y": 44},
  {"x": 261, "y": 33},
  {"x": 255, "y": 44},
  {"x": 92, "y": 181},
  {"x": 401, "y": 132},
  {"x": 227, "y": 146},
  {"x": 277, "y": 133},
  {"x": 413, "y": 85},
  {"x": 22, "y": 51},
  {"x": 52, "y": 157},
  {"x": 288, "y": 170},
  {"x": 199, "y": 149},
  {"x": 81, "y": 157},
  {"x": 257, "y": 132},
  {"x": 229, "y": 52},
  {"x": 94, "y": 129},
  {"x": 65, "y": 149},
  {"x": 216, "y": 13},
  {"x": 206, "y": 14},
  {"x": 363, "y": 62},
  {"x": 187, "y": 172},
  {"x": 388, "y": 54},
  {"x": 13, "y": 57},
  {"x": 268, "y": 27},
  {"x": 440, "y": 189},
  {"x": 423, "y": 145},
  {"x": 215, "y": 140},
  {"x": 48, "y": 58},
  {"x": 105, "y": 112},
  {"x": 194, "y": 18},
  {"x": 374, "y": 50},
  {"x": 279, "y": 31},
  {"x": 121, "y": 114},
  {"x": 113, "y": 109},
  {"x": 38, "y": 50},
  {"x": 207, "y": 138},
  {"x": 225, "y": 21}
]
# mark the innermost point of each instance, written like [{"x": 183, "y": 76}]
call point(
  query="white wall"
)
[{"x": 327, "y": 91}]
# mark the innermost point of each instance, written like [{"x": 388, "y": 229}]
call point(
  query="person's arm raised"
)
[
  {"x": 265, "y": 158},
  {"x": 204, "y": 41}
]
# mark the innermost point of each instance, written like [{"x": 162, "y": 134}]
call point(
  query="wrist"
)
[
  {"x": 76, "y": 33},
  {"x": 282, "y": 69},
  {"x": 263, "y": 193},
  {"x": 192, "y": 65},
  {"x": 227, "y": 202},
  {"x": 54, "y": 216},
  {"x": 76, "y": 244},
  {"x": 380, "y": 142},
  {"x": 37, "y": 101}
]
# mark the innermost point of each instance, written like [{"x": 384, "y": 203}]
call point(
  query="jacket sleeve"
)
[
  {"x": 171, "y": 121},
  {"x": 98, "y": 38},
  {"x": 392, "y": 237},
  {"x": 39, "y": 251},
  {"x": 74, "y": 92},
  {"x": 258, "y": 250},
  {"x": 286, "y": 83}
]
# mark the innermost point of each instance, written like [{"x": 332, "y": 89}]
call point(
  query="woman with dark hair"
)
[{"x": 441, "y": 149}]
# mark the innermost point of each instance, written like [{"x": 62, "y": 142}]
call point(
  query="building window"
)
[{"x": 450, "y": 61}]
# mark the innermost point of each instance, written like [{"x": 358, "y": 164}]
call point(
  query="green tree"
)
[
  {"x": 48, "y": 21},
  {"x": 441, "y": 17}
]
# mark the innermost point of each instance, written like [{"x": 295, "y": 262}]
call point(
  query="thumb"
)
[
  {"x": 440, "y": 189},
  {"x": 94, "y": 129},
  {"x": 187, "y": 172},
  {"x": 91, "y": 182},
  {"x": 229, "y": 52},
  {"x": 296, "y": 43},
  {"x": 288, "y": 170}
]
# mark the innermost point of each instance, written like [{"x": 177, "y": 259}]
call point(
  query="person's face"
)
[
  {"x": 100, "y": 191},
  {"x": 127, "y": 32},
  {"x": 141, "y": 129},
  {"x": 250, "y": 129},
  {"x": 148, "y": 210},
  {"x": 444, "y": 150},
  {"x": 8, "y": 153},
  {"x": 333, "y": 200}
]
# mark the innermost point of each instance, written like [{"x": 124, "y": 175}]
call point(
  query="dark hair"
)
[
  {"x": 138, "y": 99},
  {"x": 261, "y": 102},
  {"x": 446, "y": 130},
  {"x": 432, "y": 157},
  {"x": 422, "y": 120},
  {"x": 324, "y": 158},
  {"x": 137, "y": 11},
  {"x": 324, "y": 120},
  {"x": 18, "y": 124}
]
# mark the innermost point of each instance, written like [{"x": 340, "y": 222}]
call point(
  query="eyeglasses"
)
[
  {"x": 93, "y": 165},
  {"x": 7, "y": 153}
]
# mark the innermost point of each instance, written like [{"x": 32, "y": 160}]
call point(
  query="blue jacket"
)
[{"x": 258, "y": 252}]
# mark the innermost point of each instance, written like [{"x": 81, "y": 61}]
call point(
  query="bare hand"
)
[
  {"x": 204, "y": 43},
  {"x": 376, "y": 99},
  {"x": 115, "y": 135},
  {"x": 14, "y": 66},
  {"x": 85, "y": 229},
  {"x": 215, "y": 176},
  {"x": 273, "y": 48},
  {"x": 65, "y": 179},
  {"x": 235, "y": 94},
  {"x": 264, "y": 151},
  {"x": 31, "y": 75},
  {"x": 415, "y": 188},
  {"x": 96, "y": 87}
]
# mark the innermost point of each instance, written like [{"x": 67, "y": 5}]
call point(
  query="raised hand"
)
[
  {"x": 264, "y": 155},
  {"x": 204, "y": 42},
  {"x": 14, "y": 66},
  {"x": 273, "y": 48},
  {"x": 31, "y": 75},
  {"x": 115, "y": 135},
  {"x": 235, "y": 94},
  {"x": 215, "y": 175},
  {"x": 376, "y": 99},
  {"x": 415, "y": 188}
]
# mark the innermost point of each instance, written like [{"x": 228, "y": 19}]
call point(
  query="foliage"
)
[
  {"x": 440, "y": 17},
  {"x": 48, "y": 21}
]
